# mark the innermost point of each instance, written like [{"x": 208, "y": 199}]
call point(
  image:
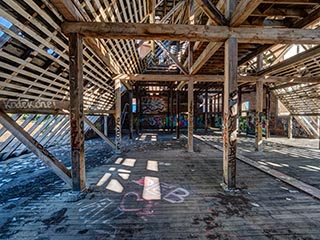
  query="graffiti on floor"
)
[
  {"x": 141, "y": 205},
  {"x": 171, "y": 193},
  {"x": 102, "y": 211},
  {"x": 133, "y": 202}
]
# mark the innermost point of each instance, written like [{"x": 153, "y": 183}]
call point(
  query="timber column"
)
[
  {"x": 230, "y": 113},
  {"x": 76, "y": 112},
  {"x": 259, "y": 107},
  {"x": 177, "y": 115},
  {"x": 118, "y": 115},
  {"x": 130, "y": 115},
  {"x": 190, "y": 115},
  {"x": 290, "y": 127}
]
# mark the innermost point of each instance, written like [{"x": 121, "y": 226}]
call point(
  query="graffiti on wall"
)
[
  {"x": 154, "y": 105},
  {"x": 247, "y": 124},
  {"x": 153, "y": 122}
]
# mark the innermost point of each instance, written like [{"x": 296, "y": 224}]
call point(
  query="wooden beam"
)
[
  {"x": 104, "y": 137},
  {"x": 230, "y": 113},
  {"x": 243, "y": 11},
  {"x": 35, "y": 147},
  {"x": 118, "y": 115},
  {"x": 36, "y": 106},
  {"x": 71, "y": 13},
  {"x": 212, "y": 12},
  {"x": 301, "y": 57},
  {"x": 207, "y": 53},
  {"x": 258, "y": 116},
  {"x": 76, "y": 112},
  {"x": 212, "y": 78},
  {"x": 173, "y": 58},
  {"x": 113, "y": 30}
]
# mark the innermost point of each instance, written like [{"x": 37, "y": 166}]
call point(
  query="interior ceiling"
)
[{"x": 34, "y": 52}]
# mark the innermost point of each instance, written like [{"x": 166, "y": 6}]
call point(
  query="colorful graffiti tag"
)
[{"x": 154, "y": 105}]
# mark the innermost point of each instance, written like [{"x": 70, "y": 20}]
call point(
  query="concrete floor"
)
[{"x": 157, "y": 190}]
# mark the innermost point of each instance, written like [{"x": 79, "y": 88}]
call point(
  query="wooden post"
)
[
  {"x": 118, "y": 115},
  {"x": 76, "y": 112},
  {"x": 239, "y": 108},
  {"x": 105, "y": 125},
  {"x": 138, "y": 113},
  {"x": 190, "y": 9},
  {"x": 206, "y": 111},
  {"x": 130, "y": 115},
  {"x": 268, "y": 99},
  {"x": 35, "y": 147},
  {"x": 259, "y": 107},
  {"x": 177, "y": 115},
  {"x": 230, "y": 113},
  {"x": 195, "y": 111},
  {"x": 290, "y": 127},
  {"x": 171, "y": 109},
  {"x": 319, "y": 130},
  {"x": 152, "y": 6},
  {"x": 190, "y": 115}
]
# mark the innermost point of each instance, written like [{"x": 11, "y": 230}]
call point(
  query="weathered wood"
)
[
  {"x": 213, "y": 12},
  {"x": 105, "y": 125},
  {"x": 191, "y": 32},
  {"x": 243, "y": 11},
  {"x": 312, "y": 191},
  {"x": 230, "y": 113},
  {"x": 211, "y": 78},
  {"x": 268, "y": 105},
  {"x": 190, "y": 115},
  {"x": 177, "y": 115},
  {"x": 173, "y": 58},
  {"x": 207, "y": 53},
  {"x": 94, "y": 128},
  {"x": 71, "y": 13},
  {"x": 36, "y": 106},
  {"x": 35, "y": 147},
  {"x": 206, "y": 111},
  {"x": 76, "y": 112},
  {"x": 258, "y": 116},
  {"x": 290, "y": 126},
  {"x": 130, "y": 115},
  {"x": 118, "y": 116},
  {"x": 299, "y": 58}
]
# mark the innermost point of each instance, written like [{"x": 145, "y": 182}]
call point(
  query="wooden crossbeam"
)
[
  {"x": 301, "y": 57},
  {"x": 213, "y": 12},
  {"x": 44, "y": 107},
  {"x": 105, "y": 138},
  {"x": 173, "y": 58},
  {"x": 207, "y": 53},
  {"x": 191, "y": 32},
  {"x": 71, "y": 13},
  {"x": 35, "y": 147},
  {"x": 212, "y": 78},
  {"x": 243, "y": 11}
]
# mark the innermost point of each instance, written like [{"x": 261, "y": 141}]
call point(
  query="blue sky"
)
[{"x": 5, "y": 23}]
